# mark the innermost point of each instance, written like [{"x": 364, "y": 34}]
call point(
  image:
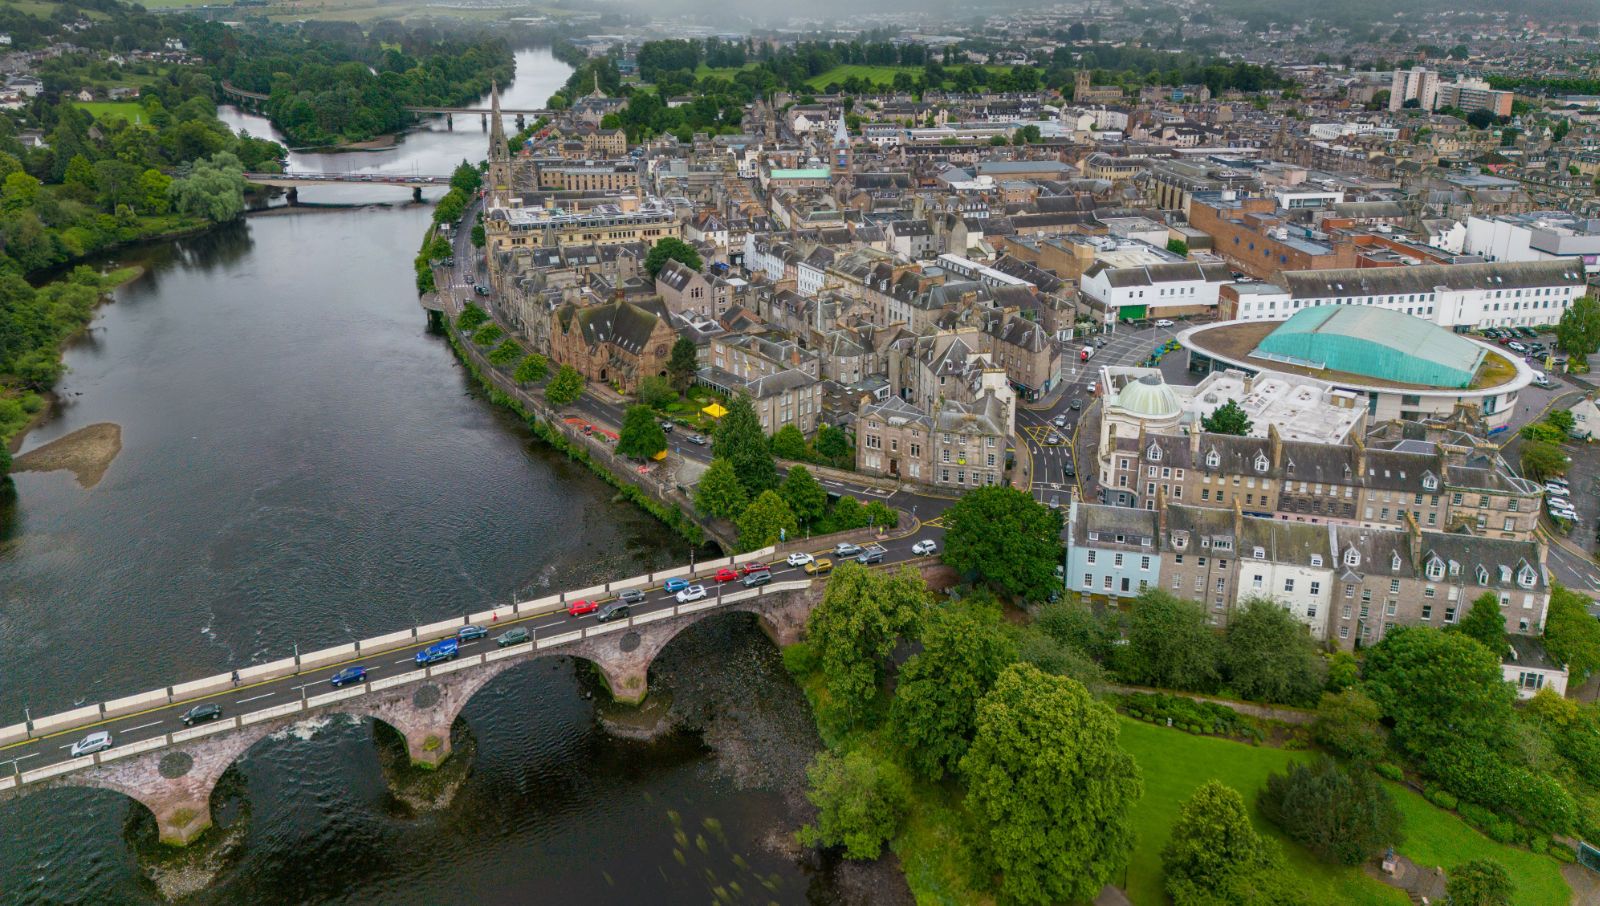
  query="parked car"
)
[
  {"x": 799, "y": 558},
  {"x": 748, "y": 568},
  {"x": 511, "y": 637},
  {"x": 631, "y": 596},
  {"x": 726, "y": 575},
  {"x": 754, "y": 579},
  {"x": 467, "y": 633},
  {"x": 692, "y": 593},
  {"x": 348, "y": 676},
  {"x": 1558, "y": 482},
  {"x": 675, "y": 585},
  {"x": 446, "y": 650},
  {"x": 616, "y": 610},
  {"x": 200, "y": 714},
  {"x": 1163, "y": 322},
  {"x": 667, "y": 426},
  {"x": 1540, "y": 379},
  {"x": 698, "y": 439},
  {"x": 818, "y": 567},
  {"x": 924, "y": 547},
  {"x": 98, "y": 741},
  {"x": 846, "y": 549},
  {"x": 580, "y": 607}
]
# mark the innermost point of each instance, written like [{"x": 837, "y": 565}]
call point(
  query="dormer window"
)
[
  {"x": 1455, "y": 568},
  {"x": 1394, "y": 562},
  {"x": 1483, "y": 576},
  {"x": 1505, "y": 574},
  {"x": 1213, "y": 459},
  {"x": 1289, "y": 467},
  {"x": 1094, "y": 536},
  {"x": 1352, "y": 558},
  {"x": 1180, "y": 541},
  {"x": 1436, "y": 569},
  {"x": 1154, "y": 453},
  {"x": 1526, "y": 577},
  {"x": 1260, "y": 553},
  {"x": 1261, "y": 462},
  {"x": 1429, "y": 482},
  {"x": 1316, "y": 559}
]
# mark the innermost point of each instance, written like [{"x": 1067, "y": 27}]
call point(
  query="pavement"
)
[{"x": 33, "y": 754}]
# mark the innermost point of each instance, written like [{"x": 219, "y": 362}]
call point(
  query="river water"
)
[{"x": 302, "y": 463}]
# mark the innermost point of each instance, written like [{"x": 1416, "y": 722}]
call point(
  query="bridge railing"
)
[
  {"x": 310, "y": 702},
  {"x": 89, "y": 715}
]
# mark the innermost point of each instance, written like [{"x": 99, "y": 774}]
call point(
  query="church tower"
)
[
  {"x": 843, "y": 160},
  {"x": 1080, "y": 86},
  {"x": 498, "y": 183}
]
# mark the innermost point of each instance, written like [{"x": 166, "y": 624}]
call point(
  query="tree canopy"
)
[
  {"x": 1169, "y": 644},
  {"x": 1480, "y": 882},
  {"x": 1485, "y": 623},
  {"x": 641, "y": 436},
  {"x": 1342, "y": 816},
  {"x": 1212, "y": 843},
  {"x": 682, "y": 364},
  {"x": 805, "y": 495},
  {"x": 766, "y": 521},
  {"x": 937, "y": 693},
  {"x": 719, "y": 492},
  {"x": 1571, "y": 636},
  {"x": 861, "y": 801},
  {"x": 670, "y": 248},
  {"x": 1270, "y": 656},
  {"x": 741, "y": 441},
  {"x": 1228, "y": 418},
  {"x": 565, "y": 388},
  {"x": 1007, "y": 539},
  {"x": 862, "y": 615}
]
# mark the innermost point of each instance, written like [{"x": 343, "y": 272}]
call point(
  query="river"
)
[{"x": 302, "y": 463}]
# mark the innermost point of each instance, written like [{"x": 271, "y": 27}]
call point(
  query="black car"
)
[
  {"x": 616, "y": 610},
  {"x": 200, "y": 714},
  {"x": 1076, "y": 405},
  {"x": 1068, "y": 471},
  {"x": 631, "y": 596}
]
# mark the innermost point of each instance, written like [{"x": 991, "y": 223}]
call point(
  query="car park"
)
[
  {"x": 1558, "y": 481},
  {"x": 446, "y": 650},
  {"x": 692, "y": 593},
  {"x": 798, "y": 558},
  {"x": 846, "y": 549},
  {"x": 818, "y": 567},
  {"x": 347, "y": 676},
  {"x": 511, "y": 637},
  {"x": 98, "y": 741},
  {"x": 616, "y": 610},
  {"x": 580, "y": 607},
  {"x": 1163, "y": 322},
  {"x": 755, "y": 579},
  {"x": 726, "y": 575},
  {"x": 675, "y": 585},
  {"x": 924, "y": 547},
  {"x": 200, "y": 714},
  {"x": 1517, "y": 346},
  {"x": 467, "y": 633},
  {"x": 631, "y": 596}
]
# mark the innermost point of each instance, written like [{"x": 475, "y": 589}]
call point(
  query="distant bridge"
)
[
  {"x": 172, "y": 768},
  {"x": 294, "y": 181},
  {"x": 256, "y": 98}
]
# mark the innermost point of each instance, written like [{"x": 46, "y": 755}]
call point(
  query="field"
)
[
  {"x": 109, "y": 110},
  {"x": 1176, "y": 763}
]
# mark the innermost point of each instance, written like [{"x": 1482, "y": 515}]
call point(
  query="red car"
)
[
  {"x": 579, "y": 608},
  {"x": 726, "y": 575},
  {"x": 749, "y": 568}
]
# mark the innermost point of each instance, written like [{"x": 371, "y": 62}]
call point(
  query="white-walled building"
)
[{"x": 1536, "y": 236}]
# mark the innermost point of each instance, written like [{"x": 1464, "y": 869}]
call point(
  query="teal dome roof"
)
[{"x": 1148, "y": 397}]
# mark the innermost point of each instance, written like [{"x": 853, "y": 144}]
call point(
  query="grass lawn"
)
[
  {"x": 880, "y": 75},
  {"x": 726, "y": 72},
  {"x": 1436, "y": 837},
  {"x": 110, "y": 110}
]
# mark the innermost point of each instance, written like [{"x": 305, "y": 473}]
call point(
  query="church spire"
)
[
  {"x": 499, "y": 181},
  {"x": 497, "y": 132}
]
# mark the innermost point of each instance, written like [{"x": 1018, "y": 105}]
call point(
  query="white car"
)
[
  {"x": 1163, "y": 323},
  {"x": 98, "y": 741},
  {"x": 692, "y": 593},
  {"x": 924, "y": 547},
  {"x": 799, "y": 558},
  {"x": 1052, "y": 439}
]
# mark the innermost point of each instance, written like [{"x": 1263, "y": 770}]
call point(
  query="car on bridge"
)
[
  {"x": 616, "y": 610},
  {"x": 673, "y": 586},
  {"x": 818, "y": 567},
  {"x": 749, "y": 568},
  {"x": 581, "y": 607},
  {"x": 799, "y": 558},
  {"x": 726, "y": 575},
  {"x": 467, "y": 633},
  {"x": 347, "y": 676},
  {"x": 200, "y": 713},
  {"x": 631, "y": 596},
  {"x": 846, "y": 549},
  {"x": 691, "y": 593},
  {"x": 98, "y": 741},
  {"x": 755, "y": 579},
  {"x": 872, "y": 553},
  {"x": 446, "y": 650},
  {"x": 514, "y": 636}
]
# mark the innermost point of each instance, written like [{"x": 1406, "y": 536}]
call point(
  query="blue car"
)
[
  {"x": 471, "y": 632},
  {"x": 442, "y": 651},
  {"x": 674, "y": 586},
  {"x": 347, "y": 676}
]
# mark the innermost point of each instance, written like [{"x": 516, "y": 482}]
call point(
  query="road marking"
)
[
  {"x": 253, "y": 698},
  {"x": 21, "y": 757},
  {"x": 141, "y": 727}
]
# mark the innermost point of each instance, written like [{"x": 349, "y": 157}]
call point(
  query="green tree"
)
[
  {"x": 1578, "y": 331},
  {"x": 833, "y": 444},
  {"x": 1212, "y": 842},
  {"x": 507, "y": 352},
  {"x": 683, "y": 363},
  {"x": 1562, "y": 420},
  {"x": 466, "y": 178},
  {"x": 471, "y": 318},
  {"x": 861, "y": 799},
  {"x": 1178, "y": 247},
  {"x": 1481, "y": 882},
  {"x": 1049, "y": 789},
  {"x": 938, "y": 690},
  {"x": 1342, "y": 816},
  {"x": 1270, "y": 657},
  {"x": 1571, "y": 636},
  {"x": 741, "y": 441},
  {"x": 1007, "y": 539},
  {"x": 565, "y": 388},
  {"x": 656, "y": 391},
  {"x": 1348, "y": 724},
  {"x": 862, "y": 615},
  {"x": 79, "y": 177},
  {"x": 213, "y": 189},
  {"x": 1170, "y": 644},
  {"x": 19, "y": 193},
  {"x": 478, "y": 236},
  {"x": 670, "y": 248},
  {"x": 788, "y": 443},
  {"x": 805, "y": 496},
  {"x": 488, "y": 335},
  {"x": 1485, "y": 623},
  {"x": 719, "y": 493},
  {"x": 1542, "y": 459},
  {"x": 641, "y": 436},
  {"x": 532, "y": 368},
  {"x": 1227, "y": 418},
  {"x": 765, "y": 521}
]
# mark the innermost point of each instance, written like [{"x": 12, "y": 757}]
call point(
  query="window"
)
[
  {"x": 1436, "y": 569},
  {"x": 1088, "y": 581},
  {"x": 1116, "y": 560},
  {"x": 1153, "y": 453},
  {"x": 1449, "y": 614},
  {"x": 1213, "y": 460},
  {"x": 1427, "y": 611},
  {"x": 1260, "y": 553},
  {"x": 1344, "y": 632},
  {"x": 1349, "y": 590},
  {"x": 1394, "y": 586},
  {"x": 1288, "y": 585},
  {"x": 1144, "y": 563},
  {"x": 1088, "y": 556},
  {"x": 1344, "y": 612},
  {"x": 1316, "y": 559},
  {"x": 1352, "y": 557},
  {"x": 1316, "y": 589}
]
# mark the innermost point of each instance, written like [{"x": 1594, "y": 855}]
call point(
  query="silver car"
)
[{"x": 98, "y": 741}]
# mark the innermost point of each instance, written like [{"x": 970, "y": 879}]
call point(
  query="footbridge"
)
[{"x": 172, "y": 768}]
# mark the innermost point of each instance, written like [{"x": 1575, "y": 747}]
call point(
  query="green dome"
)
[{"x": 1148, "y": 397}]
